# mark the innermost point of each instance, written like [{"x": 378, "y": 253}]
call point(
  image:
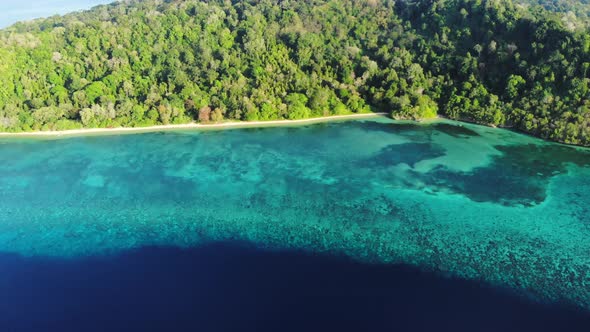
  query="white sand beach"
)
[{"x": 220, "y": 125}]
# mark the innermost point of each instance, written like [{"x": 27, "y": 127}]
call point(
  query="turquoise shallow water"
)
[{"x": 468, "y": 201}]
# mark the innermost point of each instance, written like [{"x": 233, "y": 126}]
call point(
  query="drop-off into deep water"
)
[
  {"x": 236, "y": 287},
  {"x": 473, "y": 202}
]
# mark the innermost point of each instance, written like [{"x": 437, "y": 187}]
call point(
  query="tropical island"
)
[
  {"x": 144, "y": 63},
  {"x": 446, "y": 222}
]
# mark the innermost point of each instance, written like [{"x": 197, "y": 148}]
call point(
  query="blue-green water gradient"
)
[{"x": 473, "y": 202}]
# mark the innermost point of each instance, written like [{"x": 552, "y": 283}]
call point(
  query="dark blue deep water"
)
[{"x": 235, "y": 287}]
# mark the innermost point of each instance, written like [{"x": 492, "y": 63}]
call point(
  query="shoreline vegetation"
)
[
  {"x": 192, "y": 125},
  {"x": 153, "y": 63},
  {"x": 229, "y": 124}
]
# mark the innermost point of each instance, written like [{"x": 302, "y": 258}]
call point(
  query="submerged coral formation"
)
[{"x": 473, "y": 202}]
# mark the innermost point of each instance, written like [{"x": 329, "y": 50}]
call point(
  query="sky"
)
[{"x": 12, "y": 11}]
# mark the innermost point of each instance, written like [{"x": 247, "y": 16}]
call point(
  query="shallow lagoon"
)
[{"x": 471, "y": 202}]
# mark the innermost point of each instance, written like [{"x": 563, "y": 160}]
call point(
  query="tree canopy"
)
[{"x": 139, "y": 63}]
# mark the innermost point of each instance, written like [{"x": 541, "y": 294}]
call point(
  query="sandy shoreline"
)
[{"x": 221, "y": 125}]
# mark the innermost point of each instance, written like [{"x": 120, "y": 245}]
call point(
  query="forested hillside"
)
[{"x": 148, "y": 62}]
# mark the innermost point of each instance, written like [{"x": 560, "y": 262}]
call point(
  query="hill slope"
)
[{"x": 148, "y": 62}]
